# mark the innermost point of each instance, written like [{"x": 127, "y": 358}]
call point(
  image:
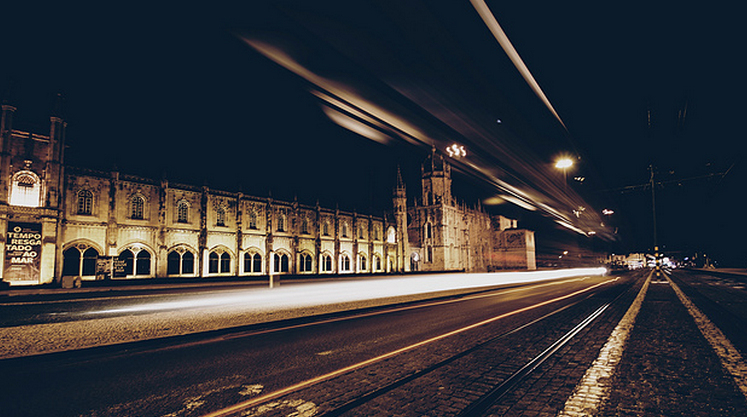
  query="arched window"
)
[
  {"x": 325, "y": 228},
  {"x": 345, "y": 263},
  {"x": 281, "y": 262},
  {"x": 225, "y": 263},
  {"x": 219, "y": 262},
  {"x": 306, "y": 263},
  {"x": 252, "y": 219},
  {"x": 376, "y": 233},
  {"x": 75, "y": 265},
  {"x": 220, "y": 216},
  {"x": 391, "y": 235},
  {"x": 71, "y": 262},
  {"x": 188, "y": 263},
  {"x": 138, "y": 207},
  {"x": 252, "y": 263},
  {"x": 182, "y": 212},
  {"x": 377, "y": 262},
  {"x": 327, "y": 263},
  {"x": 26, "y": 190},
  {"x": 85, "y": 202},
  {"x": 180, "y": 263},
  {"x": 142, "y": 263},
  {"x": 173, "y": 263},
  {"x": 89, "y": 262},
  {"x": 360, "y": 232},
  {"x": 362, "y": 262},
  {"x": 213, "y": 262},
  {"x": 129, "y": 261},
  {"x": 305, "y": 226},
  {"x": 344, "y": 229},
  {"x": 281, "y": 222}
]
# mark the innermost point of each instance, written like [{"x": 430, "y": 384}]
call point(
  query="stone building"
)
[
  {"x": 58, "y": 221},
  {"x": 444, "y": 235}
]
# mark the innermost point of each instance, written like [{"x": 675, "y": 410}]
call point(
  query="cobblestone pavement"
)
[{"x": 669, "y": 368}]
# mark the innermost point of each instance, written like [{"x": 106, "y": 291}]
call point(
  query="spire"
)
[{"x": 400, "y": 182}]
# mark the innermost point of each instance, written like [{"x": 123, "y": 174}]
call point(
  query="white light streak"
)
[
  {"x": 500, "y": 36},
  {"x": 324, "y": 293}
]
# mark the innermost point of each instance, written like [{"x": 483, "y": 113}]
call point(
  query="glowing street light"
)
[
  {"x": 456, "y": 151},
  {"x": 563, "y": 164}
]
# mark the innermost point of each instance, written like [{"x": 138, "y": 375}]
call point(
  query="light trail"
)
[
  {"x": 492, "y": 24},
  {"x": 313, "y": 381},
  {"x": 324, "y": 293}
]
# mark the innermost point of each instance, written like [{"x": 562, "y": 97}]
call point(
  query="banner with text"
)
[{"x": 23, "y": 245}]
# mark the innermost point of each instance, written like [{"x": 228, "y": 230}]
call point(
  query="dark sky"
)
[{"x": 179, "y": 90}]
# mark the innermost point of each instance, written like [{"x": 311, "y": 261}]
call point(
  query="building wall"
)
[{"x": 89, "y": 222}]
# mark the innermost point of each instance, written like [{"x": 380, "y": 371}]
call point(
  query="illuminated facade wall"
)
[
  {"x": 446, "y": 236},
  {"x": 85, "y": 220}
]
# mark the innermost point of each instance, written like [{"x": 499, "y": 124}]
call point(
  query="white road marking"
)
[{"x": 730, "y": 358}]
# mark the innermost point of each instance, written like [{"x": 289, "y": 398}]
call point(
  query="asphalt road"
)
[{"x": 191, "y": 375}]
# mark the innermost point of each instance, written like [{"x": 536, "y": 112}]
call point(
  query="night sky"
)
[{"x": 238, "y": 97}]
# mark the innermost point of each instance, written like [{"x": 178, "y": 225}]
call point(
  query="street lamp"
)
[{"x": 563, "y": 164}]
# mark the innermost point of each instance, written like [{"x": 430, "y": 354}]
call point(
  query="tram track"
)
[{"x": 601, "y": 300}]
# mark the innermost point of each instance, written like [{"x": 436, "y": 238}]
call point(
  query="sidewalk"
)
[{"x": 669, "y": 368}]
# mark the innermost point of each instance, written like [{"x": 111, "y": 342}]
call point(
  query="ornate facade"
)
[
  {"x": 443, "y": 235},
  {"x": 58, "y": 221}
]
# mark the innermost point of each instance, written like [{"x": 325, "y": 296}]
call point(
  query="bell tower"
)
[{"x": 436, "y": 180}]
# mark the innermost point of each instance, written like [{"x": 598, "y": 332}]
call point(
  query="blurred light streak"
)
[
  {"x": 341, "y": 92},
  {"x": 492, "y": 24},
  {"x": 355, "y": 126},
  {"x": 324, "y": 293},
  {"x": 366, "y": 110}
]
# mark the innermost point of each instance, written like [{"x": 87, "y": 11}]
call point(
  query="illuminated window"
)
[
  {"x": 85, "y": 202},
  {"x": 391, "y": 236},
  {"x": 26, "y": 190},
  {"x": 305, "y": 265},
  {"x": 253, "y": 219},
  {"x": 327, "y": 263},
  {"x": 138, "y": 205},
  {"x": 305, "y": 226},
  {"x": 182, "y": 212},
  {"x": 220, "y": 216}
]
